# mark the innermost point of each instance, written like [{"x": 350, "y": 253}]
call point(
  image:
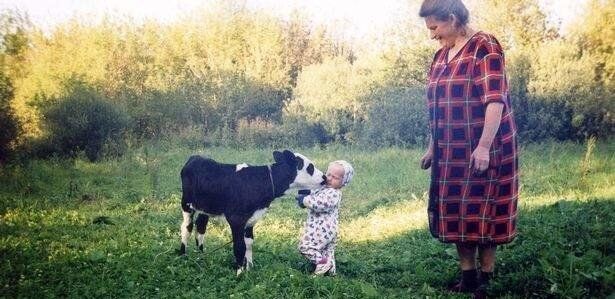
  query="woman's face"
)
[{"x": 442, "y": 31}]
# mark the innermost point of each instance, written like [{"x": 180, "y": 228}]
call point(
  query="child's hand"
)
[{"x": 299, "y": 199}]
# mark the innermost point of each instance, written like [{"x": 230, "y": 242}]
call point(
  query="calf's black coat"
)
[{"x": 211, "y": 188}]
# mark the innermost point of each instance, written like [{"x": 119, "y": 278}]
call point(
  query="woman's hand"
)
[
  {"x": 479, "y": 161},
  {"x": 426, "y": 159}
]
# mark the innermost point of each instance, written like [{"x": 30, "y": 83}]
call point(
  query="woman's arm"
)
[{"x": 479, "y": 160}]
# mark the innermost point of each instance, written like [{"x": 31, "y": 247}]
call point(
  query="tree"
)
[
  {"x": 13, "y": 45},
  {"x": 297, "y": 39},
  {"x": 593, "y": 36},
  {"x": 518, "y": 24},
  {"x": 9, "y": 128},
  {"x": 84, "y": 120}
]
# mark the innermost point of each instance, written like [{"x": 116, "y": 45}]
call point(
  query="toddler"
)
[{"x": 320, "y": 232}]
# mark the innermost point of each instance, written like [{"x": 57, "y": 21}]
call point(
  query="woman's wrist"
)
[
  {"x": 493, "y": 116},
  {"x": 484, "y": 144}
]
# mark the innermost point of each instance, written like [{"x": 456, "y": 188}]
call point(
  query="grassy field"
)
[{"x": 70, "y": 228}]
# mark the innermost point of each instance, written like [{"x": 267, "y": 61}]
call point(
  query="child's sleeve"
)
[{"x": 325, "y": 201}]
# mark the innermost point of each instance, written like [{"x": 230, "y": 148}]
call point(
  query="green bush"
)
[
  {"x": 567, "y": 96},
  {"x": 9, "y": 128},
  {"x": 540, "y": 119},
  {"x": 257, "y": 133},
  {"x": 261, "y": 133},
  {"x": 159, "y": 114},
  {"x": 300, "y": 132},
  {"x": 221, "y": 136},
  {"x": 237, "y": 98},
  {"x": 328, "y": 93},
  {"x": 84, "y": 120},
  {"x": 396, "y": 116}
]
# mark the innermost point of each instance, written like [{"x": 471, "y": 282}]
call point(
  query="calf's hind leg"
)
[
  {"x": 249, "y": 240},
  {"x": 185, "y": 229},
  {"x": 201, "y": 226}
]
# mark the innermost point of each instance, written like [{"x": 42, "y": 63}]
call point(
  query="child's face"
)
[{"x": 335, "y": 176}]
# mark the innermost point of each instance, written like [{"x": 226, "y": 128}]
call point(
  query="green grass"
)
[{"x": 70, "y": 228}]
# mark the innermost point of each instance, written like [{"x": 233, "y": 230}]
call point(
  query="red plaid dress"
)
[{"x": 464, "y": 207}]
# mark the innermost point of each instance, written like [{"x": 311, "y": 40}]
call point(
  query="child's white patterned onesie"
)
[{"x": 320, "y": 231}]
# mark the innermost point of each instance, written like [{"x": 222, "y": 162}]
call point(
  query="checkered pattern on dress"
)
[{"x": 465, "y": 207}]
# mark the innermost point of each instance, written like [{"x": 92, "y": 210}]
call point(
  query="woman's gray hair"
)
[{"x": 443, "y": 9}]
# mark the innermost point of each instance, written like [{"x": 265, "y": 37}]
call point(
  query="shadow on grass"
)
[{"x": 563, "y": 250}]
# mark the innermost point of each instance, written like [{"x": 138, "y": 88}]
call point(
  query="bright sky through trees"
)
[{"x": 358, "y": 17}]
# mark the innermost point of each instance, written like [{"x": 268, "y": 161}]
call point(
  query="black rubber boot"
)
[
  {"x": 467, "y": 284},
  {"x": 483, "y": 283}
]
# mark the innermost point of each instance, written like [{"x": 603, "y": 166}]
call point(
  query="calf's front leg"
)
[{"x": 239, "y": 245}]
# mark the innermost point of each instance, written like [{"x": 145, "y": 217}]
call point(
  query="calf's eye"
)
[{"x": 310, "y": 169}]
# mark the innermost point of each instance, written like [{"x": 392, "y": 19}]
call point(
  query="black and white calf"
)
[{"x": 241, "y": 194}]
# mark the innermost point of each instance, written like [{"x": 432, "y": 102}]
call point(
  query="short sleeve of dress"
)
[{"x": 489, "y": 72}]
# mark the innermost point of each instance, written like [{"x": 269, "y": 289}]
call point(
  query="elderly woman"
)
[{"x": 472, "y": 149}]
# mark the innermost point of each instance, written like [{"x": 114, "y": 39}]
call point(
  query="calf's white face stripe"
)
[{"x": 304, "y": 179}]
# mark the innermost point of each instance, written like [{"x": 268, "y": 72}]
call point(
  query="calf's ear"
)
[
  {"x": 290, "y": 158},
  {"x": 278, "y": 157}
]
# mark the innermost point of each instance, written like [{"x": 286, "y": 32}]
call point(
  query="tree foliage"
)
[
  {"x": 13, "y": 47},
  {"x": 232, "y": 72},
  {"x": 84, "y": 120},
  {"x": 9, "y": 128}
]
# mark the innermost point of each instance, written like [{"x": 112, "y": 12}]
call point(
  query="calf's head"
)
[{"x": 307, "y": 176}]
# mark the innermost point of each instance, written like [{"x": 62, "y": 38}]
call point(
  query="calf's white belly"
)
[{"x": 258, "y": 214}]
